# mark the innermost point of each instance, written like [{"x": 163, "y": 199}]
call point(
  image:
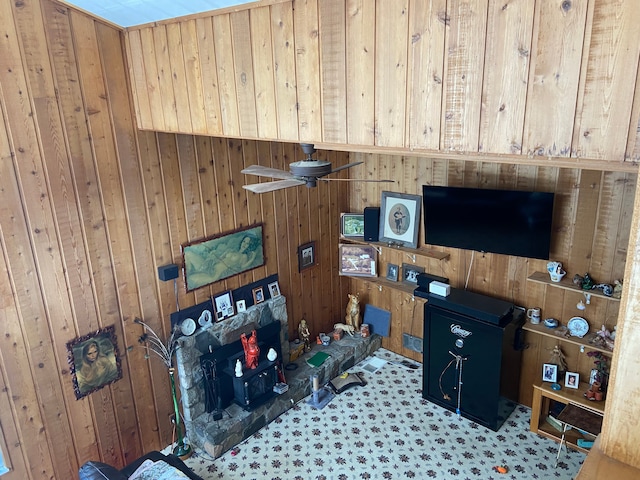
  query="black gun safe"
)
[{"x": 472, "y": 355}]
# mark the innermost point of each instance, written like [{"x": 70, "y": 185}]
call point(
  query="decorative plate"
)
[
  {"x": 188, "y": 326},
  {"x": 578, "y": 327}
]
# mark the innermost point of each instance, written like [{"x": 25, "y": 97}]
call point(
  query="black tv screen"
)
[{"x": 509, "y": 222}]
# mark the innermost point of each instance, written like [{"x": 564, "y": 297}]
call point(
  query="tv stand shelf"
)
[{"x": 566, "y": 284}]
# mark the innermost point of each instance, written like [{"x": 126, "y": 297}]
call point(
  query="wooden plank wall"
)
[
  {"x": 517, "y": 81},
  {"x": 592, "y": 218},
  {"x": 91, "y": 207}
]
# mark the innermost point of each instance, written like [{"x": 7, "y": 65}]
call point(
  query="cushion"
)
[{"x": 99, "y": 471}]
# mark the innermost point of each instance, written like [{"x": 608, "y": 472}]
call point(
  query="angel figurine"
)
[{"x": 557, "y": 358}]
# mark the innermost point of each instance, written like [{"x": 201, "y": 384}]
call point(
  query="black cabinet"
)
[
  {"x": 255, "y": 386},
  {"x": 472, "y": 355}
]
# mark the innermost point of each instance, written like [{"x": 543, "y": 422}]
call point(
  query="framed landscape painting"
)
[{"x": 222, "y": 256}]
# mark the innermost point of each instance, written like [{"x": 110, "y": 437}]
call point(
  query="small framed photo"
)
[
  {"x": 550, "y": 372},
  {"x": 274, "y": 289},
  {"x": 357, "y": 260},
  {"x": 241, "y": 306},
  {"x": 572, "y": 380},
  {"x": 223, "y": 304},
  {"x": 410, "y": 273},
  {"x": 392, "y": 272},
  {"x": 352, "y": 224},
  {"x": 258, "y": 295},
  {"x": 306, "y": 256}
]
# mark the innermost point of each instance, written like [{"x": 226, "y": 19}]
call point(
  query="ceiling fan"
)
[{"x": 304, "y": 172}]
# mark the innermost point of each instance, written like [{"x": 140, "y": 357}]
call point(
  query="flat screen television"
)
[{"x": 509, "y": 222}]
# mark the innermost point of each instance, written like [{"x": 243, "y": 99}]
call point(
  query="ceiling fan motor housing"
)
[{"x": 310, "y": 168}]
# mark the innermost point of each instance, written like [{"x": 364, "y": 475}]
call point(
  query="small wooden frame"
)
[{"x": 306, "y": 256}]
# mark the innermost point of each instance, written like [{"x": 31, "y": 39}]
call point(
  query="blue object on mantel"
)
[{"x": 555, "y": 386}]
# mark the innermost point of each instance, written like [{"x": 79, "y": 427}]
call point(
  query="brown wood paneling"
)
[
  {"x": 553, "y": 77},
  {"x": 425, "y": 63},
  {"x": 208, "y": 69},
  {"x": 392, "y": 26},
  {"x": 226, "y": 75},
  {"x": 284, "y": 58},
  {"x": 331, "y": 16},
  {"x": 360, "y": 53},
  {"x": 243, "y": 73},
  {"x": 91, "y": 207},
  {"x": 193, "y": 76},
  {"x": 603, "y": 116},
  {"x": 507, "y": 56},
  {"x": 307, "y": 48},
  {"x": 463, "y": 71},
  {"x": 263, "y": 68}
]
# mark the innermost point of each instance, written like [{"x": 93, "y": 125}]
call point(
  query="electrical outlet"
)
[{"x": 412, "y": 342}]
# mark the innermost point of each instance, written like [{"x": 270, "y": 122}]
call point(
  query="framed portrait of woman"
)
[{"x": 94, "y": 361}]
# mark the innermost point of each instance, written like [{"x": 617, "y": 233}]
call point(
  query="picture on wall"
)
[
  {"x": 352, "y": 225},
  {"x": 359, "y": 260},
  {"x": 223, "y": 305},
  {"x": 94, "y": 361},
  {"x": 222, "y": 256},
  {"x": 400, "y": 219},
  {"x": 306, "y": 256}
]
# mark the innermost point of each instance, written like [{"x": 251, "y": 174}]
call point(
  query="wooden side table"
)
[{"x": 543, "y": 394}]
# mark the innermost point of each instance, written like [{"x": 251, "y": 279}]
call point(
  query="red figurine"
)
[{"x": 251, "y": 349}]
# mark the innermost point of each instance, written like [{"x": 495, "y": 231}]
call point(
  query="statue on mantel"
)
[
  {"x": 353, "y": 312},
  {"x": 251, "y": 349},
  {"x": 304, "y": 334}
]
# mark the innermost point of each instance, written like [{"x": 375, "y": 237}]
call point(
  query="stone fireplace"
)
[{"x": 215, "y": 423}]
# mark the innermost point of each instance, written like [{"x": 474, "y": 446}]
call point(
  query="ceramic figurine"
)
[
  {"x": 353, "y": 311},
  {"x": 587, "y": 282},
  {"x": 238, "y": 368},
  {"x": 303, "y": 333},
  {"x": 251, "y": 349},
  {"x": 617, "y": 288}
]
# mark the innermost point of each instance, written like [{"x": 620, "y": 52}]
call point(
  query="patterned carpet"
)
[{"x": 385, "y": 430}]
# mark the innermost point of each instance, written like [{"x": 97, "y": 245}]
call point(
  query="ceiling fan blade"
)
[
  {"x": 355, "y": 180},
  {"x": 271, "y": 186},
  {"x": 261, "y": 171},
  {"x": 348, "y": 165}
]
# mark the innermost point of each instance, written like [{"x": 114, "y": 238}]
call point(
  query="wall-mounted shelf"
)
[
  {"x": 566, "y": 284},
  {"x": 423, "y": 252},
  {"x": 550, "y": 332},
  {"x": 383, "y": 282}
]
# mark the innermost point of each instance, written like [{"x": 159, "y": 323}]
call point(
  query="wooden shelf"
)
[
  {"x": 423, "y": 252},
  {"x": 566, "y": 284},
  {"x": 543, "y": 393},
  {"x": 383, "y": 282},
  {"x": 550, "y": 332}
]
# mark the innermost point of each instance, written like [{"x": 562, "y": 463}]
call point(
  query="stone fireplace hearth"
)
[{"x": 223, "y": 427}]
